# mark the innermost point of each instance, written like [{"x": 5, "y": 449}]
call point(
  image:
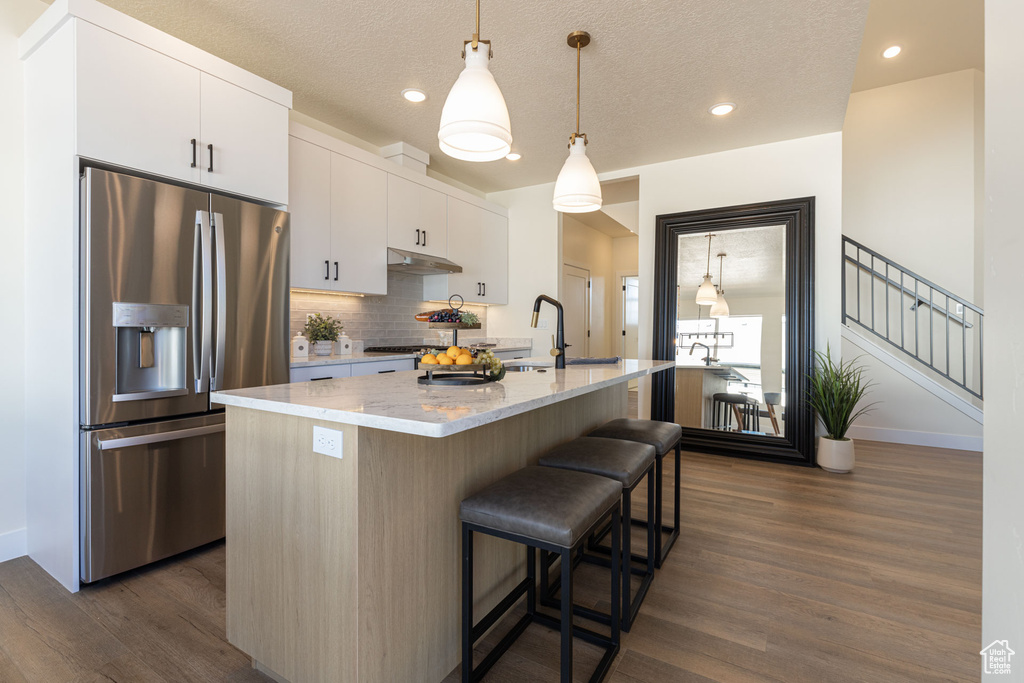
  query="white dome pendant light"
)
[
  {"x": 577, "y": 189},
  {"x": 720, "y": 309},
  {"x": 474, "y": 122},
  {"x": 707, "y": 295}
]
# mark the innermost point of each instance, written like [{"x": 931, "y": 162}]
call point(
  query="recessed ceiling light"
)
[
  {"x": 513, "y": 156},
  {"x": 723, "y": 108},
  {"x": 891, "y": 52},
  {"x": 414, "y": 95}
]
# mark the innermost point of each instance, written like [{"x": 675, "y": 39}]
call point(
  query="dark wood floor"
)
[{"x": 780, "y": 574}]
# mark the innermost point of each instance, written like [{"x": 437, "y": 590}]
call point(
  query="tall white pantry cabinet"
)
[{"x": 101, "y": 87}]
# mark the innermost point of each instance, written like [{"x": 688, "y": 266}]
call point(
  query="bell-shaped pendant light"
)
[
  {"x": 707, "y": 295},
  {"x": 474, "y": 121},
  {"x": 720, "y": 309},
  {"x": 577, "y": 189}
]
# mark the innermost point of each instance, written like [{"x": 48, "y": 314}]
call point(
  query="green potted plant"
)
[
  {"x": 836, "y": 390},
  {"x": 322, "y": 331}
]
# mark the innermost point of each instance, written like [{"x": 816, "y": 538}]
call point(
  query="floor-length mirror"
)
[{"x": 734, "y": 309}]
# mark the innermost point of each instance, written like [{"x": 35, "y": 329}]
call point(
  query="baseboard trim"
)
[
  {"x": 13, "y": 544},
  {"x": 957, "y": 442}
]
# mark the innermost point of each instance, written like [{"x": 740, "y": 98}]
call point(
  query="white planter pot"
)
[
  {"x": 835, "y": 456},
  {"x": 323, "y": 348}
]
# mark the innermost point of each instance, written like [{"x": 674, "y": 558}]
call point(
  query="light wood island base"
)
[{"x": 349, "y": 569}]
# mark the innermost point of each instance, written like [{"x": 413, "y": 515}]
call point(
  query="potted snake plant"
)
[
  {"x": 322, "y": 331},
  {"x": 836, "y": 390}
]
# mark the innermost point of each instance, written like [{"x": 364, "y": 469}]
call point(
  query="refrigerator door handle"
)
[
  {"x": 202, "y": 297},
  {"x": 127, "y": 441},
  {"x": 217, "y": 374}
]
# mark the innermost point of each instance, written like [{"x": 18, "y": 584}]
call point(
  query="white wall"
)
[
  {"x": 1003, "y": 554},
  {"x": 909, "y": 171},
  {"x": 15, "y": 17},
  {"x": 803, "y": 167},
  {"x": 534, "y": 248},
  {"x": 586, "y": 248}
]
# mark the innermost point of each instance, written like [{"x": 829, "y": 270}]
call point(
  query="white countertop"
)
[
  {"x": 396, "y": 402},
  {"x": 361, "y": 357}
]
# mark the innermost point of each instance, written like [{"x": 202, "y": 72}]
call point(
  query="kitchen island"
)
[{"x": 348, "y": 569}]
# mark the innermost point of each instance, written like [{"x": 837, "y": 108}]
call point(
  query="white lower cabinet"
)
[
  {"x": 320, "y": 372},
  {"x": 338, "y": 221},
  {"x": 383, "y": 367},
  {"x": 477, "y": 241}
]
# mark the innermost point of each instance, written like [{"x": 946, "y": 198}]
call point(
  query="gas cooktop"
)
[{"x": 393, "y": 349}]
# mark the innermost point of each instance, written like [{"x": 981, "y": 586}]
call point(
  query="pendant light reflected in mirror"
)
[
  {"x": 577, "y": 189},
  {"x": 707, "y": 295},
  {"x": 474, "y": 121},
  {"x": 720, "y": 309}
]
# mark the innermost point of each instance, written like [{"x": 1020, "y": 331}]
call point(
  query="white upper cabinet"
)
[
  {"x": 244, "y": 143},
  {"x": 417, "y": 217},
  {"x": 477, "y": 241},
  {"x": 339, "y": 214},
  {"x": 144, "y": 110},
  {"x": 359, "y": 227},
  {"x": 309, "y": 191},
  {"x": 137, "y": 108}
]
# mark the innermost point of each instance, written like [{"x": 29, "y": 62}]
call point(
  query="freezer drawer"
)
[{"x": 149, "y": 492}]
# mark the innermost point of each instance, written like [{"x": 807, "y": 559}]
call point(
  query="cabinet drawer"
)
[
  {"x": 359, "y": 369},
  {"x": 512, "y": 355},
  {"x": 321, "y": 372}
]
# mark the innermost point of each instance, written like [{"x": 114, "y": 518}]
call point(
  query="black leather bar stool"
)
[
  {"x": 745, "y": 408},
  {"x": 626, "y": 462},
  {"x": 664, "y": 436},
  {"x": 553, "y": 510}
]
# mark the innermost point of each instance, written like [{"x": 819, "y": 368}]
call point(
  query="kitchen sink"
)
[{"x": 527, "y": 368}]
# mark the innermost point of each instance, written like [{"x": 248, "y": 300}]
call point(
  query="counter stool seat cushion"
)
[
  {"x": 662, "y": 435},
  {"x": 623, "y": 461},
  {"x": 544, "y": 504}
]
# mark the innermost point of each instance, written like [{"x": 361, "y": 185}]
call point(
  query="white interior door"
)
[{"x": 576, "y": 305}]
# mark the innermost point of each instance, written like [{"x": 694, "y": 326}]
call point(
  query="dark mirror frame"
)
[{"x": 796, "y": 446}]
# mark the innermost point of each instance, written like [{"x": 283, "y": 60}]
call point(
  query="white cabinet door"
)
[
  {"x": 359, "y": 230},
  {"x": 244, "y": 141},
  {"x": 309, "y": 181},
  {"x": 136, "y": 108},
  {"x": 383, "y": 367},
  {"x": 492, "y": 252},
  {"x": 463, "y": 224},
  {"x": 417, "y": 217}
]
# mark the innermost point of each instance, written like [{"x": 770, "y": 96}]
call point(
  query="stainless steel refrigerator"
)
[{"x": 183, "y": 292}]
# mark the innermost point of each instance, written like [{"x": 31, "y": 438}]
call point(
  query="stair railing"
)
[{"x": 903, "y": 309}]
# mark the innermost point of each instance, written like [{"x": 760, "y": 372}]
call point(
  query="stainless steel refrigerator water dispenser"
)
[{"x": 150, "y": 347}]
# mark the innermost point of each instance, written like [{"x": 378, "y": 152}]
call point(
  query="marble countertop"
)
[
  {"x": 361, "y": 357},
  {"x": 396, "y": 402}
]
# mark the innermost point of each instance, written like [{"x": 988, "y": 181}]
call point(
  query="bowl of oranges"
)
[{"x": 459, "y": 366}]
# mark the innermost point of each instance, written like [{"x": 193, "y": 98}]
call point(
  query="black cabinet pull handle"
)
[
  {"x": 319, "y": 379},
  {"x": 210, "y": 147},
  {"x": 424, "y": 238},
  {"x": 327, "y": 273},
  {"x": 485, "y": 289},
  {"x": 478, "y": 292},
  {"x": 417, "y": 237},
  {"x": 193, "y": 152},
  {"x": 384, "y": 372},
  {"x": 335, "y": 271}
]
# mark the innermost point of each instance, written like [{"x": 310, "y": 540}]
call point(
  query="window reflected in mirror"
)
[{"x": 730, "y": 331}]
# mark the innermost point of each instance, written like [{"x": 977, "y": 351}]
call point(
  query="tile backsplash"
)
[{"x": 382, "y": 320}]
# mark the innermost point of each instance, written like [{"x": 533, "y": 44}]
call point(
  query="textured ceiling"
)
[
  {"x": 754, "y": 265},
  {"x": 650, "y": 74},
  {"x": 937, "y": 37}
]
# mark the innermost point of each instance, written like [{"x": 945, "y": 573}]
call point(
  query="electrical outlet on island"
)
[
  {"x": 542, "y": 324},
  {"x": 327, "y": 442}
]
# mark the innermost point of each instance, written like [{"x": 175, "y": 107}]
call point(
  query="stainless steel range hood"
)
[{"x": 420, "y": 264}]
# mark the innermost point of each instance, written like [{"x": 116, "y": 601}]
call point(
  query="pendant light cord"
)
[
  {"x": 577, "y": 91},
  {"x": 721, "y": 285},
  {"x": 707, "y": 273},
  {"x": 476, "y": 36}
]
